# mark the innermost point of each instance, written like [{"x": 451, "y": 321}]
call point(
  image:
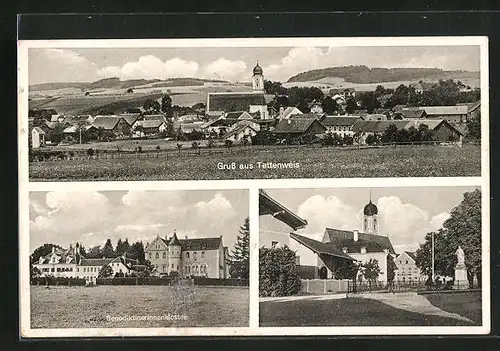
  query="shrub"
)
[
  {"x": 278, "y": 272},
  {"x": 63, "y": 281},
  {"x": 221, "y": 282}
]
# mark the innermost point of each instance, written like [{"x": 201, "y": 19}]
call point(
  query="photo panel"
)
[
  {"x": 105, "y": 261},
  {"x": 377, "y": 260}
]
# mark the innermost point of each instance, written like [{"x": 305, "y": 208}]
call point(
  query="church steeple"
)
[
  {"x": 258, "y": 78},
  {"x": 370, "y": 217}
]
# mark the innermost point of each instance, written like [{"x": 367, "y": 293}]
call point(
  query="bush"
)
[
  {"x": 278, "y": 272},
  {"x": 264, "y": 137},
  {"x": 221, "y": 282},
  {"x": 63, "y": 281},
  {"x": 134, "y": 281}
]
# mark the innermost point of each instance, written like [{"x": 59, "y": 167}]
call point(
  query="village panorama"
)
[{"x": 327, "y": 122}]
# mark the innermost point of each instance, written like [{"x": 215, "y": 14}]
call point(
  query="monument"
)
[{"x": 461, "y": 282}]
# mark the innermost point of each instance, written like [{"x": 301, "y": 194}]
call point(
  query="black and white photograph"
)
[
  {"x": 253, "y": 108},
  {"x": 138, "y": 259},
  {"x": 399, "y": 257}
]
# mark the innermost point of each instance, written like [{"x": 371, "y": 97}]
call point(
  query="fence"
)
[
  {"x": 221, "y": 282},
  {"x": 323, "y": 286},
  {"x": 58, "y": 281}
]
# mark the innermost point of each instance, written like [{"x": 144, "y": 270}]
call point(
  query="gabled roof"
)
[
  {"x": 191, "y": 127},
  {"x": 235, "y": 101},
  {"x": 374, "y": 117},
  {"x": 398, "y": 108},
  {"x": 237, "y": 129},
  {"x": 130, "y": 118},
  {"x": 331, "y": 121},
  {"x": 318, "y": 116},
  {"x": 321, "y": 248},
  {"x": 377, "y": 126},
  {"x": 471, "y": 106},
  {"x": 189, "y": 118},
  {"x": 153, "y": 117},
  {"x": 295, "y": 125},
  {"x": 291, "y": 110},
  {"x": 224, "y": 122},
  {"x": 108, "y": 123},
  {"x": 153, "y": 123},
  {"x": 446, "y": 110},
  {"x": 372, "y": 242},
  {"x": 412, "y": 255},
  {"x": 413, "y": 113},
  {"x": 96, "y": 261},
  {"x": 269, "y": 206},
  {"x": 238, "y": 115},
  {"x": 39, "y": 130},
  {"x": 201, "y": 244}
]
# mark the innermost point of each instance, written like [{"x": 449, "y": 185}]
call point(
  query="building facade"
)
[
  {"x": 205, "y": 257},
  {"x": 407, "y": 270}
]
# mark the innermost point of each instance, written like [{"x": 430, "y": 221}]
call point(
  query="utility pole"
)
[{"x": 433, "y": 278}]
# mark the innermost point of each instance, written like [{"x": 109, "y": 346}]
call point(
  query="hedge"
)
[
  {"x": 134, "y": 281},
  {"x": 221, "y": 282},
  {"x": 278, "y": 272},
  {"x": 58, "y": 281}
]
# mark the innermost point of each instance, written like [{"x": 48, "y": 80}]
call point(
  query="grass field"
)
[
  {"x": 81, "y": 307},
  {"x": 315, "y": 162},
  {"x": 356, "y": 311}
]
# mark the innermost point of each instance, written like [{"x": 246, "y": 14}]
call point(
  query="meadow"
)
[
  {"x": 314, "y": 162},
  {"x": 115, "y": 306}
]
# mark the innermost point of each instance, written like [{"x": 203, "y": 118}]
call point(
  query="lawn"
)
[
  {"x": 314, "y": 162},
  {"x": 344, "y": 312},
  {"x": 467, "y": 304},
  {"x": 89, "y": 307}
]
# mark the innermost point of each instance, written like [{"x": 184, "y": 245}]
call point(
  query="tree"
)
[
  {"x": 151, "y": 106},
  {"x": 239, "y": 259},
  {"x": 130, "y": 91},
  {"x": 122, "y": 247},
  {"x": 345, "y": 269},
  {"x": 136, "y": 252},
  {"x": 107, "y": 250},
  {"x": 391, "y": 269},
  {"x": 56, "y": 135},
  {"x": 369, "y": 101},
  {"x": 148, "y": 268},
  {"x": 329, "y": 105},
  {"x": 371, "y": 271},
  {"x": 195, "y": 146},
  {"x": 179, "y": 147},
  {"x": 474, "y": 128},
  {"x": 278, "y": 272},
  {"x": 94, "y": 252},
  {"x": 350, "y": 106},
  {"x": 166, "y": 106},
  {"x": 42, "y": 251},
  {"x": 389, "y": 135},
  {"x": 105, "y": 272}
]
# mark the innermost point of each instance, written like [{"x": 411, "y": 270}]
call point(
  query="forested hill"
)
[
  {"x": 365, "y": 75},
  {"x": 116, "y": 83}
]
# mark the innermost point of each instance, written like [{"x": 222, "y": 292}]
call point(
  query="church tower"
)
[
  {"x": 258, "y": 78},
  {"x": 174, "y": 254},
  {"x": 370, "y": 218}
]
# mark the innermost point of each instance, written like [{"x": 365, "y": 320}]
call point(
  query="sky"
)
[
  {"x": 232, "y": 63},
  {"x": 405, "y": 214},
  {"x": 91, "y": 217}
]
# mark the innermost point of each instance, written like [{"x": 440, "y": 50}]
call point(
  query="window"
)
[
  {"x": 187, "y": 254},
  {"x": 84, "y": 269},
  {"x": 77, "y": 269},
  {"x": 172, "y": 266},
  {"x": 164, "y": 254},
  {"x": 150, "y": 255},
  {"x": 194, "y": 255},
  {"x": 274, "y": 244},
  {"x": 407, "y": 262},
  {"x": 164, "y": 268},
  {"x": 177, "y": 267},
  {"x": 157, "y": 255},
  {"x": 203, "y": 254},
  {"x": 58, "y": 269}
]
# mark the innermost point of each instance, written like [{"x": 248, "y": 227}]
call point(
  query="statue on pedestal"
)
[{"x": 460, "y": 257}]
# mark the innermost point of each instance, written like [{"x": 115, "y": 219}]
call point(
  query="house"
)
[
  {"x": 340, "y": 246},
  {"x": 297, "y": 127},
  {"x": 456, "y": 114},
  {"x": 341, "y": 125},
  {"x": 57, "y": 118},
  {"x": 421, "y": 86},
  {"x": 240, "y": 133},
  {"x": 130, "y": 118},
  {"x": 319, "y": 116},
  {"x": 204, "y": 257},
  {"x": 255, "y": 123},
  {"x": 113, "y": 123},
  {"x": 239, "y": 115},
  {"x": 219, "y": 126},
  {"x": 316, "y": 107},
  {"x": 70, "y": 263},
  {"x": 407, "y": 270},
  {"x": 187, "y": 128},
  {"x": 473, "y": 109},
  {"x": 398, "y": 108},
  {"x": 156, "y": 116},
  {"x": 442, "y": 130},
  {"x": 213, "y": 115},
  {"x": 288, "y": 112},
  {"x": 37, "y": 137},
  {"x": 374, "y": 117},
  {"x": 413, "y": 112},
  {"x": 360, "y": 112},
  {"x": 344, "y": 94},
  {"x": 189, "y": 118},
  {"x": 148, "y": 127}
]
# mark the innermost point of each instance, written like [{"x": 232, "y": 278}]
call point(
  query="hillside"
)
[
  {"x": 116, "y": 83},
  {"x": 365, "y": 75}
]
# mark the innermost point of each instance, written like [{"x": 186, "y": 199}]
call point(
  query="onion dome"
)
[
  {"x": 370, "y": 209},
  {"x": 257, "y": 70}
]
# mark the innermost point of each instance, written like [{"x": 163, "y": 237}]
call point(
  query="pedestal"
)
[{"x": 461, "y": 281}]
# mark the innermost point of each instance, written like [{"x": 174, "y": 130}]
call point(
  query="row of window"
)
[
  {"x": 340, "y": 128},
  {"x": 164, "y": 255}
]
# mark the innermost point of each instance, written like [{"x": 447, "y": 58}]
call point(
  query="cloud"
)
[
  {"x": 138, "y": 227},
  {"x": 438, "y": 220},
  {"x": 298, "y": 59},
  {"x": 227, "y": 70},
  {"x": 68, "y": 57},
  {"x": 217, "y": 210},
  {"x": 151, "y": 67}
]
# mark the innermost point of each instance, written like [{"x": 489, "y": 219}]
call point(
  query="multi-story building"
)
[
  {"x": 204, "y": 257},
  {"x": 407, "y": 270}
]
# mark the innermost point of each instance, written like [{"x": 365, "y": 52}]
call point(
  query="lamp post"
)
[{"x": 432, "y": 236}]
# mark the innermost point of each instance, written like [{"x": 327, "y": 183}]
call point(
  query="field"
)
[
  {"x": 358, "y": 311},
  {"x": 314, "y": 162},
  {"x": 82, "y": 307}
]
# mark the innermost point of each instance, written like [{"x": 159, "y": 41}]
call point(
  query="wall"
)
[
  {"x": 210, "y": 261},
  {"x": 443, "y": 133},
  {"x": 266, "y": 239},
  {"x": 323, "y": 286},
  {"x": 70, "y": 274}
]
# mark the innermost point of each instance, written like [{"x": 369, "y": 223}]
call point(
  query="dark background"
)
[{"x": 93, "y": 24}]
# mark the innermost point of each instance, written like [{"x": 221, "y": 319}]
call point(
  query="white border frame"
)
[{"x": 252, "y": 185}]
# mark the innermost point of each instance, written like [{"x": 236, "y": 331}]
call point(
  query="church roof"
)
[
  {"x": 196, "y": 244},
  {"x": 257, "y": 70},
  {"x": 235, "y": 101},
  {"x": 370, "y": 209},
  {"x": 174, "y": 240},
  {"x": 372, "y": 242}
]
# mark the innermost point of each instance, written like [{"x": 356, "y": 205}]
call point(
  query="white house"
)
[
  {"x": 37, "y": 137},
  {"x": 407, "y": 270},
  {"x": 240, "y": 133}
]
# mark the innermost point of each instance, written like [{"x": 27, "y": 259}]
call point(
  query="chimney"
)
[
  {"x": 289, "y": 121},
  {"x": 355, "y": 234},
  {"x": 282, "y": 111},
  {"x": 53, "y": 249}
]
